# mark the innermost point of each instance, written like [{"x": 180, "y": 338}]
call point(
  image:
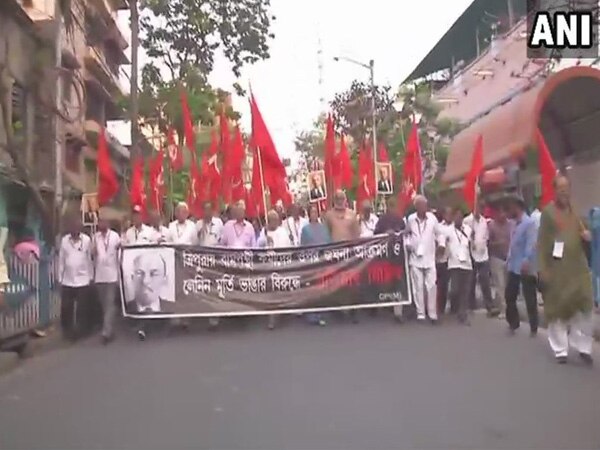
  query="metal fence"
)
[{"x": 31, "y": 298}]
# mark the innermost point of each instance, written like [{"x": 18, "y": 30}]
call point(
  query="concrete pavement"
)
[{"x": 374, "y": 385}]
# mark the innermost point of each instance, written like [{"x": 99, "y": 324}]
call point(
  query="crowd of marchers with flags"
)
[{"x": 460, "y": 258}]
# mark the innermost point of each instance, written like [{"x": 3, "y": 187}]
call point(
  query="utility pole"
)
[
  {"x": 58, "y": 134},
  {"x": 135, "y": 44},
  {"x": 374, "y": 110}
]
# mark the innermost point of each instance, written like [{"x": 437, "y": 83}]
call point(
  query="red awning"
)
[{"x": 510, "y": 128}]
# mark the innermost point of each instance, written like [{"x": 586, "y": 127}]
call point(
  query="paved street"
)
[{"x": 375, "y": 385}]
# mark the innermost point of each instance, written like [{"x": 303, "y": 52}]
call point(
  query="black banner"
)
[{"x": 188, "y": 281}]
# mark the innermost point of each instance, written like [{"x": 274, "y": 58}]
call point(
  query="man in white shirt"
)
[
  {"x": 138, "y": 233},
  {"x": 273, "y": 236},
  {"x": 209, "y": 231},
  {"x": 158, "y": 233},
  {"x": 460, "y": 265},
  {"x": 294, "y": 224},
  {"x": 182, "y": 230},
  {"x": 368, "y": 220},
  {"x": 441, "y": 263},
  {"x": 209, "y": 228},
  {"x": 480, "y": 236},
  {"x": 75, "y": 272},
  {"x": 422, "y": 244},
  {"x": 106, "y": 244}
]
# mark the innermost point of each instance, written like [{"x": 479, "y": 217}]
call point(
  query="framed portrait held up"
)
[
  {"x": 385, "y": 183},
  {"x": 317, "y": 188}
]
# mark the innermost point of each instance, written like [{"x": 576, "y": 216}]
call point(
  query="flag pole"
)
[{"x": 262, "y": 180}]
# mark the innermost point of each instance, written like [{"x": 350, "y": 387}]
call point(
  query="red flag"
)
[
  {"x": 137, "y": 191},
  {"x": 411, "y": 173},
  {"x": 251, "y": 210},
  {"x": 193, "y": 198},
  {"x": 157, "y": 181},
  {"x": 225, "y": 148},
  {"x": 547, "y": 169},
  {"x": 344, "y": 166},
  {"x": 108, "y": 185},
  {"x": 236, "y": 159},
  {"x": 257, "y": 184},
  {"x": 273, "y": 170},
  {"x": 382, "y": 153},
  {"x": 472, "y": 178},
  {"x": 366, "y": 176},
  {"x": 212, "y": 172},
  {"x": 188, "y": 125},
  {"x": 175, "y": 156},
  {"x": 330, "y": 156}
]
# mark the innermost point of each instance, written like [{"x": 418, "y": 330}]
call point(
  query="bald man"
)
[
  {"x": 182, "y": 230},
  {"x": 425, "y": 236},
  {"x": 342, "y": 221}
]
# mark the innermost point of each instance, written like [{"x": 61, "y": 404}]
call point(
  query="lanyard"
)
[
  {"x": 177, "y": 228},
  {"x": 419, "y": 226},
  {"x": 236, "y": 227},
  {"x": 456, "y": 230},
  {"x": 106, "y": 239},
  {"x": 78, "y": 247}
]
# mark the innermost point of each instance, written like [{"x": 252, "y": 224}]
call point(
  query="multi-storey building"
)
[
  {"x": 91, "y": 90},
  {"x": 495, "y": 90}
]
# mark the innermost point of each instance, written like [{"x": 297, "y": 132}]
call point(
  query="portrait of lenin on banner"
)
[
  {"x": 148, "y": 279},
  {"x": 316, "y": 185}
]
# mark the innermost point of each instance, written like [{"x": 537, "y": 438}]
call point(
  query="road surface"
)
[{"x": 375, "y": 385}]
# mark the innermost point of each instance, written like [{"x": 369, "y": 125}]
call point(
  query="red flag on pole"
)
[
  {"x": 213, "y": 174},
  {"x": 137, "y": 190},
  {"x": 547, "y": 169},
  {"x": 193, "y": 198},
  {"x": 237, "y": 155},
  {"x": 188, "y": 125},
  {"x": 157, "y": 181},
  {"x": 382, "y": 153},
  {"x": 366, "y": 177},
  {"x": 273, "y": 170},
  {"x": 258, "y": 193},
  {"x": 175, "y": 156},
  {"x": 344, "y": 165},
  {"x": 330, "y": 156},
  {"x": 108, "y": 185},
  {"x": 411, "y": 171},
  {"x": 226, "y": 172},
  {"x": 472, "y": 178}
]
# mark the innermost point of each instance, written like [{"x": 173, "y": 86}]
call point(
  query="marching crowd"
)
[{"x": 506, "y": 252}]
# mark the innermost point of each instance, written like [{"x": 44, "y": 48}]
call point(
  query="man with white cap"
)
[
  {"x": 424, "y": 237},
  {"x": 182, "y": 230}
]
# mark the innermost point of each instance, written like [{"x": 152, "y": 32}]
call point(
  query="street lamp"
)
[{"x": 371, "y": 68}]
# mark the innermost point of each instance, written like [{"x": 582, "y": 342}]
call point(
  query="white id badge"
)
[
  {"x": 558, "y": 249},
  {"x": 420, "y": 250},
  {"x": 462, "y": 255}
]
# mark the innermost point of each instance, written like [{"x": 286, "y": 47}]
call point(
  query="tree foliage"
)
[
  {"x": 352, "y": 110},
  {"x": 187, "y": 33}
]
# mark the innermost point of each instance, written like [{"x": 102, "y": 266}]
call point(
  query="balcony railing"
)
[{"x": 106, "y": 74}]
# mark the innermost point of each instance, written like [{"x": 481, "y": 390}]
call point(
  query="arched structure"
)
[{"x": 566, "y": 107}]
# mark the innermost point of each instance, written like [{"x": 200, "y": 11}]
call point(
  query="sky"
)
[{"x": 395, "y": 34}]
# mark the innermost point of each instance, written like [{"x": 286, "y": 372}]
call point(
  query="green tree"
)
[
  {"x": 352, "y": 110},
  {"x": 187, "y": 33}
]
